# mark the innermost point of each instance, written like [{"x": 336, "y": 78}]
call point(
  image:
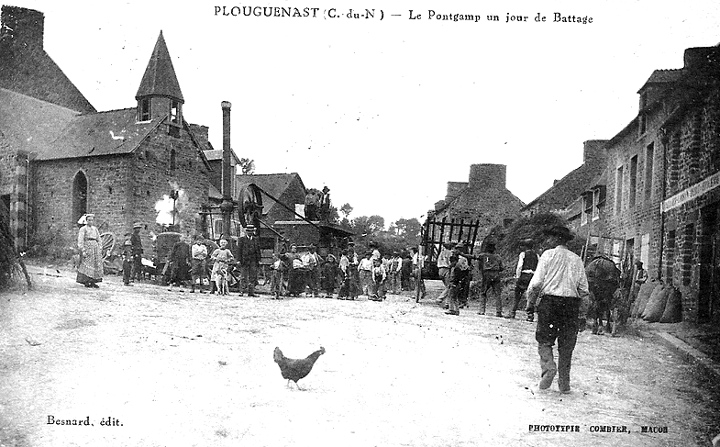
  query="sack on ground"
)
[
  {"x": 643, "y": 297},
  {"x": 642, "y": 312},
  {"x": 656, "y": 305},
  {"x": 673, "y": 308}
]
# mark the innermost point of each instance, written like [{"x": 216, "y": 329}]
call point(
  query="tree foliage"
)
[{"x": 247, "y": 166}]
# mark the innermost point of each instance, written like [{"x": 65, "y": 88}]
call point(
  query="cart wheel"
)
[
  {"x": 107, "y": 240},
  {"x": 250, "y": 209}
]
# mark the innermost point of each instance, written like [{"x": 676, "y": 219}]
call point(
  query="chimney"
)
[
  {"x": 454, "y": 189},
  {"x": 22, "y": 28},
  {"x": 594, "y": 152},
  {"x": 703, "y": 60},
  {"x": 201, "y": 134},
  {"x": 487, "y": 176},
  {"x": 227, "y": 205},
  {"x": 226, "y": 151}
]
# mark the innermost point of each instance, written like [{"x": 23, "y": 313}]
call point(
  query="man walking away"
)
[
  {"x": 559, "y": 292},
  {"x": 527, "y": 263},
  {"x": 491, "y": 268}
]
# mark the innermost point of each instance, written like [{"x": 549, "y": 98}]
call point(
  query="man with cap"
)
[
  {"x": 527, "y": 263},
  {"x": 137, "y": 251},
  {"x": 559, "y": 292},
  {"x": 491, "y": 268},
  {"x": 249, "y": 258}
]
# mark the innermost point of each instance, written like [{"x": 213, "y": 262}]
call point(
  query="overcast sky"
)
[{"x": 386, "y": 112}]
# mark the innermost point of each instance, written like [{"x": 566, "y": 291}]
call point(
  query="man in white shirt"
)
[
  {"x": 443, "y": 265},
  {"x": 365, "y": 268},
  {"x": 559, "y": 292},
  {"x": 311, "y": 264}
]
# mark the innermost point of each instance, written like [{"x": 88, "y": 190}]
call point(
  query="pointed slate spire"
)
[{"x": 159, "y": 78}]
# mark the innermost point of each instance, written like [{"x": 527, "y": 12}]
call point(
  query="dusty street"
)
[{"x": 175, "y": 369}]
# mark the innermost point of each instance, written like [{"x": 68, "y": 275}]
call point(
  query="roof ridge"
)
[{"x": 109, "y": 111}]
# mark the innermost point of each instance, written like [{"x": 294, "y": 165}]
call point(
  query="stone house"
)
[
  {"x": 663, "y": 178},
  {"x": 60, "y": 158},
  {"x": 484, "y": 198},
  {"x": 565, "y": 191}
]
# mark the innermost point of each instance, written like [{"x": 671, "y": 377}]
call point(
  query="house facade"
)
[
  {"x": 60, "y": 159},
  {"x": 662, "y": 184},
  {"x": 484, "y": 198}
]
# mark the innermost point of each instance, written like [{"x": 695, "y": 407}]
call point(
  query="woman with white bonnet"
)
[{"x": 90, "y": 271}]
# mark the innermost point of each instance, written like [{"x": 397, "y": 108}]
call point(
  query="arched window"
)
[
  {"x": 79, "y": 196},
  {"x": 172, "y": 159}
]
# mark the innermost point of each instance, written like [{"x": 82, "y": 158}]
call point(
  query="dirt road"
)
[{"x": 178, "y": 369}]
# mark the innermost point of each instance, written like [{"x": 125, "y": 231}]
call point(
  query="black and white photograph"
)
[{"x": 464, "y": 223}]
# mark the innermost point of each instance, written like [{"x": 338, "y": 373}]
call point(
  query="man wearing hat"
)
[
  {"x": 249, "y": 257},
  {"x": 137, "y": 251},
  {"x": 527, "y": 263},
  {"x": 559, "y": 292},
  {"x": 491, "y": 268}
]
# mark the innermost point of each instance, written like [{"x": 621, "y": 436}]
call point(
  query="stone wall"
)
[{"x": 121, "y": 189}]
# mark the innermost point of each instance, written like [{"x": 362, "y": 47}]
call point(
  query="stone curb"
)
[{"x": 684, "y": 350}]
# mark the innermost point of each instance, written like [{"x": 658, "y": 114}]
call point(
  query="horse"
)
[{"x": 603, "y": 281}]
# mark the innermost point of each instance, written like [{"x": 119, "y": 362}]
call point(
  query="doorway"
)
[
  {"x": 709, "y": 290},
  {"x": 79, "y": 197}
]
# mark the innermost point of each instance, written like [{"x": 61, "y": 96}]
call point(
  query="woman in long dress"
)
[{"x": 90, "y": 271}]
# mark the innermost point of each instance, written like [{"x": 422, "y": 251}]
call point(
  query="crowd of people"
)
[
  {"x": 349, "y": 277},
  {"x": 554, "y": 285},
  {"x": 208, "y": 266}
]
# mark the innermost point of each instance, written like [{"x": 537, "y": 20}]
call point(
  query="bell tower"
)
[{"x": 159, "y": 94}]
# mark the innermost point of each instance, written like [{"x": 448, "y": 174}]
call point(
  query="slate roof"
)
[
  {"x": 31, "y": 124},
  {"x": 567, "y": 189},
  {"x": 665, "y": 76},
  {"x": 105, "y": 133},
  {"x": 471, "y": 200},
  {"x": 217, "y": 154},
  {"x": 159, "y": 77},
  {"x": 274, "y": 184},
  {"x": 54, "y": 132},
  {"x": 31, "y": 71}
]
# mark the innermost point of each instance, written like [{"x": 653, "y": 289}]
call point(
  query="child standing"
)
[
  {"x": 377, "y": 284},
  {"x": 222, "y": 257},
  {"x": 280, "y": 268},
  {"x": 198, "y": 264},
  {"x": 329, "y": 273}
]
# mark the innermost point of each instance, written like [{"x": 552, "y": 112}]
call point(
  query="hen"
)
[{"x": 296, "y": 369}]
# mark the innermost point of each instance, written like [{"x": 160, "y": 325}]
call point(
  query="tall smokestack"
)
[
  {"x": 227, "y": 205},
  {"x": 226, "y": 150}
]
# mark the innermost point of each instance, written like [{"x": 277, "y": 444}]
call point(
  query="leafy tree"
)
[
  {"x": 346, "y": 209},
  {"x": 367, "y": 225},
  {"x": 407, "y": 228},
  {"x": 333, "y": 216},
  {"x": 247, "y": 166}
]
